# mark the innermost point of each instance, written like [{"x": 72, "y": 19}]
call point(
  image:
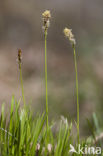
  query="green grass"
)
[{"x": 23, "y": 134}]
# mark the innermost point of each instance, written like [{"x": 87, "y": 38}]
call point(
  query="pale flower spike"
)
[
  {"x": 46, "y": 15},
  {"x": 69, "y": 35}
]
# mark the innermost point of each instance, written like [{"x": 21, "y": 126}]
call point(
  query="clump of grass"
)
[
  {"x": 22, "y": 134},
  {"x": 68, "y": 33},
  {"x": 46, "y": 23},
  {"x": 19, "y": 135}
]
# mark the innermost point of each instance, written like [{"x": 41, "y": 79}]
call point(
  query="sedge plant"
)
[
  {"x": 46, "y": 23},
  {"x": 20, "y": 70},
  {"x": 23, "y": 134},
  {"x": 68, "y": 33}
]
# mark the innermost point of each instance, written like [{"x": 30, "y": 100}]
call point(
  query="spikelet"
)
[
  {"x": 68, "y": 33},
  {"x": 19, "y": 55},
  {"x": 19, "y": 59},
  {"x": 46, "y": 15}
]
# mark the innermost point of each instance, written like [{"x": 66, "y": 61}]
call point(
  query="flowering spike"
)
[
  {"x": 46, "y": 15},
  {"x": 68, "y": 33},
  {"x": 19, "y": 55}
]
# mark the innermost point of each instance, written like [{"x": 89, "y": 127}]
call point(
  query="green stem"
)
[
  {"x": 76, "y": 93},
  {"x": 21, "y": 80},
  {"x": 46, "y": 86}
]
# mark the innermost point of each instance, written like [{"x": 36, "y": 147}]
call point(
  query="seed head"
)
[
  {"x": 68, "y": 33},
  {"x": 46, "y": 15},
  {"x": 19, "y": 55}
]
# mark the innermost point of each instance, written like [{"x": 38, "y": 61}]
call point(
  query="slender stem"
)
[
  {"x": 21, "y": 80},
  {"x": 46, "y": 85},
  {"x": 77, "y": 93}
]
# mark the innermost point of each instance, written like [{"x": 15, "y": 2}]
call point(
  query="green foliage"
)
[{"x": 21, "y": 133}]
